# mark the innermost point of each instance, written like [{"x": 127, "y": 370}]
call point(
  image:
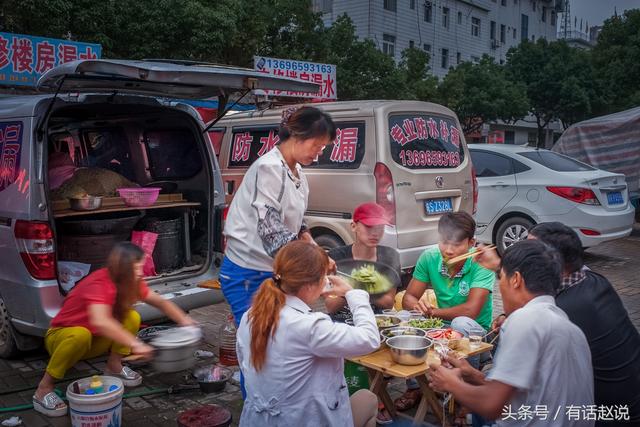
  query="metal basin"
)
[
  {"x": 89, "y": 203},
  {"x": 402, "y": 330},
  {"x": 409, "y": 349}
]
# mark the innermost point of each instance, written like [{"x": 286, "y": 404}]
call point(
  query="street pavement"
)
[{"x": 615, "y": 260}]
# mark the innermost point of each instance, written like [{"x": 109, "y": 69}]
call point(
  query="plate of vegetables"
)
[
  {"x": 427, "y": 323},
  {"x": 373, "y": 277}
]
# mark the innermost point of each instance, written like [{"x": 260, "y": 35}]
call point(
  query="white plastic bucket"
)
[{"x": 97, "y": 410}]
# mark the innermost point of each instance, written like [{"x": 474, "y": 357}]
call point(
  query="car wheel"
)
[
  {"x": 328, "y": 241},
  {"x": 511, "y": 231},
  {"x": 8, "y": 347}
]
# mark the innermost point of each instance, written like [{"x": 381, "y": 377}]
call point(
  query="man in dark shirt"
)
[{"x": 594, "y": 306}]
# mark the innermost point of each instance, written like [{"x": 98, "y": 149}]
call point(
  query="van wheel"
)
[
  {"x": 328, "y": 241},
  {"x": 8, "y": 347},
  {"x": 511, "y": 231}
]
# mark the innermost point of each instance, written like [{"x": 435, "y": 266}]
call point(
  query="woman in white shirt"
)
[
  {"x": 268, "y": 209},
  {"x": 292, "y": 358}
]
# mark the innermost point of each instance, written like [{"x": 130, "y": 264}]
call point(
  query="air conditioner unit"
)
[{"x": 495, "y": 44}]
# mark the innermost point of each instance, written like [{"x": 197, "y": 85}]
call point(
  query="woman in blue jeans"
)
[{"x": 268, "y": 209}]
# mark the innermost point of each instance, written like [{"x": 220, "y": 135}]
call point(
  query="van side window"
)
[
  {"x": 420, "y": 141},
  {"x": 346, "y": 152},
  {"x": 172, "y": 153}
]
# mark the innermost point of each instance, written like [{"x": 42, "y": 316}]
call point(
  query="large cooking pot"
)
[
  {"x": 347, "y": 266},
  {"x": 174, "y": 348},
  {"x": 103, "y": 223}
]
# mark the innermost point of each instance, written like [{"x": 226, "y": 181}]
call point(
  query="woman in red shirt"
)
[{"x": 98, "y": 317}]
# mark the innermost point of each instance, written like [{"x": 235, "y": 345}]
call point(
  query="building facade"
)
[{"x": 451, "y": 31}]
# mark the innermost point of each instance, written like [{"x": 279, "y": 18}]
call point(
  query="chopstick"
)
[{"x": 459, "y": 258}]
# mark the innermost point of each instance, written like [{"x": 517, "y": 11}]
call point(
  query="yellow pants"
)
[{"x": 68, "y": 345}]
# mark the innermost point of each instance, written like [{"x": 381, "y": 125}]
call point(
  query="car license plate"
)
[
  {"x": 615, "y": 198},
  {"x": 438, "y": 206}
]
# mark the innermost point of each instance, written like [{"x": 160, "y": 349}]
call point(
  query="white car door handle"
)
[{"x": 499, "y": 185}]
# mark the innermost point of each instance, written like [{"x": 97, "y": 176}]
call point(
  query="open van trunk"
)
[{"x": 97, "y": 148}]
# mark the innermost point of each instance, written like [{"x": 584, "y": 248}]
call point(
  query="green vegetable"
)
[
  {"x": 368, "y": 279},
  {"x": 384, "y": 322},
  {"x": 430, "y": 323}
]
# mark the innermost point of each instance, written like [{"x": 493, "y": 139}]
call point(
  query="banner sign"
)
[
  {"x": 321, "y": 74},
  {"x": 23, "y": 59}
]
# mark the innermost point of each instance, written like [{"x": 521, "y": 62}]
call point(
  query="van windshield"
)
[{"x": 419, "y": 141}]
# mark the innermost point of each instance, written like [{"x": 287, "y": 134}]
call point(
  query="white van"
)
[{"x": 408, "y": 156}]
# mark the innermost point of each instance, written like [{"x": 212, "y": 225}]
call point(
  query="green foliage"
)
[
  {"x": 616, "y": 58},
  {"x": 479, "y": 93},
  {"x": 558, "y": 80}
]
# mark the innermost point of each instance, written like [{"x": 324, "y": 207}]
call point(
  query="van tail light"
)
[
  {"x": 385, "y": 196},
  {"x": 589, "y": 232},
  {"x": 474, "y": 180},
  {"x": 576, "y": 194},
  {"x": 35, "y": 243},
  {"x": 219, "y": 218}
]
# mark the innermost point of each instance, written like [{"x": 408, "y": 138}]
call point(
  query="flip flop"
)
[
  {"x": 408, "y": 400},
  {"x": 383, "y": 416},
  {"x": 50, "y": 405},
  {"x": 129, "y": 377}
]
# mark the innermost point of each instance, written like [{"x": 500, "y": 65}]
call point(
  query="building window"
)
[
  {"x": 445, "y": 17},
  {"x": 492, "y": 30},
  {"x": 553, "y": 18},
  {"x": 475, "y": 59},
  {"x": 534, "y": 6},
  {"x": 533, "y": 38},
  {"x": 412, "y": 4},
  {"x": 426, "y": 47},
  {"x": 515, "y": 34},
  {"x": 475, "y": 27},
  {"x": 524, "y": 31},
  {"x": 389, "y": 45},
  {"x": 544, "y": 14},
  {"x": 411, "y": 44},
  {"x": 458, "y": 58},
  {"x": 459, "y": 18},
  {"x": 444, "y": 63},
  {"x": 503, "y": 33},
  {"x": 390, "y": 5},
  {"x": 503, "y": 2},
  {"x": 428, "y": 11}
]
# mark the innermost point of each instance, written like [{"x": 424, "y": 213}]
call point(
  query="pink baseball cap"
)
[{"x": 371, "y": 214}]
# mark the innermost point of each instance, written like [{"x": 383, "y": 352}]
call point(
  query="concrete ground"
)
[{"x": 18, "y": 377}]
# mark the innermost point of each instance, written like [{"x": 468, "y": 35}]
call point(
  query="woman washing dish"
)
[
  {"x": 292, "y": 358},
  {"x": 97, "y": 317}
]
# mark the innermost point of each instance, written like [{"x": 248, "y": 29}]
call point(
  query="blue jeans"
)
[{"x": 238, "y": 286}]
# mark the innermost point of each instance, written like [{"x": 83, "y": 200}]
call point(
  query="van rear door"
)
[
  {"x": 162, "y": 79},
  {"x": 430, "y": 170}
]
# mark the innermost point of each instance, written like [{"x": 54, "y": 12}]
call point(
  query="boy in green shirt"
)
[{"x": 463, "y": 290}]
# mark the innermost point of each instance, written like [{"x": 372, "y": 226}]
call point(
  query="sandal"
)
[
  {"x": 129, "y": 377},
  {"x": 50, "y": 405},
  {"x": 408, "y": 400},
  {"x": 383, "y": 416}
]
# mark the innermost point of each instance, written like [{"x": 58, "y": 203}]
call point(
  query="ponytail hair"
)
[{"x": 296, "y": 265}]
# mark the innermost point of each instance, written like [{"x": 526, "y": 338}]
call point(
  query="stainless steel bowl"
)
[
  {"x": 89, "y": 203},
  {"x": 395, "y": 321},
  {"x": 402, "y": 330},
  {"x": 409, "y": 349}
]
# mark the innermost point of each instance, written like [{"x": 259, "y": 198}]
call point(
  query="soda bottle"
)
[{"x": 227, "y": 355}]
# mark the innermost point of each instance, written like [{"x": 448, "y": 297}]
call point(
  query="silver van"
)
[
  {"x": 408, "y": 156},
  {"x": 110, "y": 124}
]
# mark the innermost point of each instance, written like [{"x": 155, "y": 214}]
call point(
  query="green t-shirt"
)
[{"x": 451, "y": 292}]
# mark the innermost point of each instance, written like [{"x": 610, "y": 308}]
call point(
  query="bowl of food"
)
[
  {"x": 373, "y": 277},
  {"x": 85, "y": 203},
  {"x": 385, "y": 321},
  {"x": 444, "y": 333},
  {"x": 426, "y": 323},
  {"x": 409, "y": 349},
  {"x": 402, "y": 330}
]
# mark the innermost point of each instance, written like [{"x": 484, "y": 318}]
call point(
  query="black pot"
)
[
  {"x": 212, "y": 386},
  {"x": 105, "y": 223}
]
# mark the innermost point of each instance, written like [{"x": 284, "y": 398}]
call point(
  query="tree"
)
[
  {"x": 421, "y": 85},
  {"x": 558, "y": 79},
  {"x": 480, "y": 93},
  {"x": 616, "y": 58}
]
